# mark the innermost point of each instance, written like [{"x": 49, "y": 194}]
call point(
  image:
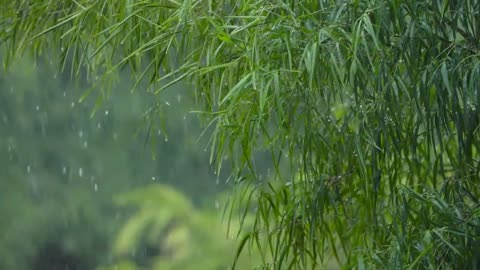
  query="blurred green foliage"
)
[
  {"x": 166, "y": 232},
  {"x": 62, "y": 167}
]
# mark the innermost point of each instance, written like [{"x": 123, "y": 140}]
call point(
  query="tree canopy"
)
[{"x": 372, "y": 105}]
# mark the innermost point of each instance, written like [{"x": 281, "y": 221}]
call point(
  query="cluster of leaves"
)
[
  {"x": 434, "y": 230},
  {"x": 360, "y": 98}
]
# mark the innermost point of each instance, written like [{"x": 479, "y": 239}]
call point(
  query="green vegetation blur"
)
[{"x": 116, "y": 181}]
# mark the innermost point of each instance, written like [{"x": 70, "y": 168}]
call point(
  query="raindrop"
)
[
  {"x": 121, "y": 42},
  {"x": 73, "y": 104},
  {"x": 80, "y": 172},
  {"x": 37, "y": 108},
  {"x": 166, "y": 139},
  {"x": 184, "y": 117},
  {"x": 85, "y": 144},
  {"x": 64, "y": 93},
  {"x": 28, "y": 168},
  {"x": 153, "y": 178},
  {"x": 167, "y": 103},
  {"x": 217, "y": 204},
  {"x": 204, "y": 149},
  {"x": 107, "y": 112},
  {"x": 95, "y": 187},
  {"x": 62, "y": 48},
  {"x": 99, "y": 125},
  {"x": 80, "y": 133},
  {"x": 55, "y": 76},
  {"x": 159, "y": 132}
]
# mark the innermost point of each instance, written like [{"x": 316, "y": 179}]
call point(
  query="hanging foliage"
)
[{"x": 373, "y": 104}]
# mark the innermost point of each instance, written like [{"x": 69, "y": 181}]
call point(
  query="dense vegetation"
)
[{"x": 372, "y": 104}]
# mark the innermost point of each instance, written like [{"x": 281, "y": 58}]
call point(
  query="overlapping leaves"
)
[{"x": 358, "y": 98}]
